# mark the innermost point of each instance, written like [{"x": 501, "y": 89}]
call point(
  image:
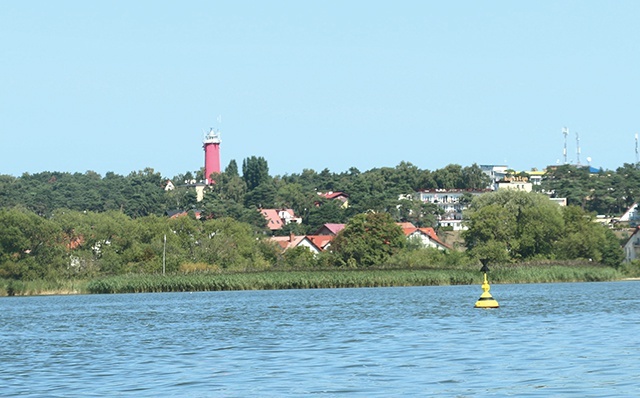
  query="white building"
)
[
  {"x": 451, "y": 202},
  {"x": 495, "y": 173},
  {"x": 632, "y": 247},
  {"x": 515, "y": 184},
  {"x": 632, "y": 216}
]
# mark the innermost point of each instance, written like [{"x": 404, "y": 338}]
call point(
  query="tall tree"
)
[
  {"x": 450, "y": 177},
  {"x": 255, "y": 171},
  {"x": 524, "y": 224},
  {"x": 367, "y": 240},
  {"x": 583, "y": 238},
  {"x": 232, "y": 169},
  {"x": 474, "y": 178}
]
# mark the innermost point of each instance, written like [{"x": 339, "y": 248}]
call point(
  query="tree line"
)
[
  {"x": 504, "y": 227},
  {"x": 238, "y": 192},
  {"x": 83, "y": 225}
]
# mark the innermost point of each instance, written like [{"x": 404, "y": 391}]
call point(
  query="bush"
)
[{"x": 189, "y": 268}]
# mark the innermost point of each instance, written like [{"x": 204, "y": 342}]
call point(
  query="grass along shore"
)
[{"x": 312, "y": 279}]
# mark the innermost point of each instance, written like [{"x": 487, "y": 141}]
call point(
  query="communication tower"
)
[{"x": 577, "y": 149}]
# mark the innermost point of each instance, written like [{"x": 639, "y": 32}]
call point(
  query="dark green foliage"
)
[
  {"x": 325, "y": 211},
  {"x": 140, "y": 193},
  {"x": 605, "y": 192},
  {"x": 586, "y": 239},
  {"x": 368, "y": 239},
  {"x": 508, "y": 226},
  {"x": 29, "y": 246},
  {"x": 73, "y": 244},
  {"x": 232, "y": 169},
  {"x": 255, "y": 171},
  {"x": 262, "y": 196}
]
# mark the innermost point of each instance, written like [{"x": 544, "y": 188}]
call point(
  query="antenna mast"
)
[
  {"x": 578, "y": 149},
  {"x": 637, "y": 160},
  {"x": 565, "y": 131}
]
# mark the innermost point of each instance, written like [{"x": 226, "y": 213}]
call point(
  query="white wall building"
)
[
  {"x": 495, "y": 173},
  {"x": 515, "y": 184},
  {"x": 632, "y": 247},
  {"x": 451, "y": 203}
]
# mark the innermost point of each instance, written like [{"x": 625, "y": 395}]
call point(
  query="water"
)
[{"x": 546, "y": 340}]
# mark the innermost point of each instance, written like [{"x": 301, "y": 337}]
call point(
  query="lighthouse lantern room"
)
[{"x": 211, "y": 145}]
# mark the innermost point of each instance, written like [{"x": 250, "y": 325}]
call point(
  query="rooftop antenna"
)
[
  {"x": 565, "y": 131},
  {"x": 637, "y": 160},
  {"x": 578, "y": 149}
]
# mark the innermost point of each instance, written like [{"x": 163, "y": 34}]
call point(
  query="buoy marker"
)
[{"x": 486, "y": 300}]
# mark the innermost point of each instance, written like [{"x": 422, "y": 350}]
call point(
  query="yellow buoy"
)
[{"x": 486, "y": 300}]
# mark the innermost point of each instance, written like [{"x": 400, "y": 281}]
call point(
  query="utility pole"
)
[{"x": 164, "y": 253}]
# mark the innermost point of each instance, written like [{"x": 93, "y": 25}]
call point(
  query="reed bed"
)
[
  {"x": 312, "y": 279},
  {"x": 42, "y": 287},
  {"x": 550, "y": 274},
  {"x": 270, "y": 280}
]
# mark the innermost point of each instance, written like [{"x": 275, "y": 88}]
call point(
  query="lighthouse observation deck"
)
[{"x": 212, "y": 137}]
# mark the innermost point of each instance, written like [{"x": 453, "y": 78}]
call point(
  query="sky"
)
[{"x": 119, "y": 86}]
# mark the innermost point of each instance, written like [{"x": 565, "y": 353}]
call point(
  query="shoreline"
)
[{"x": 307, "y": 279}]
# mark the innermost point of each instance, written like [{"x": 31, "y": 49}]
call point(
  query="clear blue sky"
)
[{"x": 123, "y": 85}]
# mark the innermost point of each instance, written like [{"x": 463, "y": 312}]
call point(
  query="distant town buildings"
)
[
  {"x": 495, "y": 173},
  {"x": 515, "y": 184},
  {"x": 632, "y": 246},
  {"x": 321, "y": 240},
  {"x": 278, "y": 218},
  {"x": 452, "y": 202},
  {"x": 340, "y": 196}
]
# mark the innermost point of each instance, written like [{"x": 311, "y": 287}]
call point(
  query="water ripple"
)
[{"x": 545, "y": 340}]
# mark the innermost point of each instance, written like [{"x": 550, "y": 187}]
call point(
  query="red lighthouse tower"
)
[{"x": 211, "y": 145}]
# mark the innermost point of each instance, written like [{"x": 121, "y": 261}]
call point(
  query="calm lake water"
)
[{"x": 546, "y": 340}]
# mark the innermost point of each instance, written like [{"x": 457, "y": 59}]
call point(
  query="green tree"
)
[
  {"x": 293, "y": 196},
  {"x": 299, "y": 257},
  {"x": 327, "y": 211},
  {"x": 585, "y": 239},
  {"x": 474, "y": 178},
  {"x": 255, "y": 172},
  {"x": 450, "y": 177},
  {"x": 367, "y": 240},
  {"x": 30, "y": 246},
  {"x": 230, "y": 244},
  {"x": 263, "y": 196},
  {"x": 232, "y": 169},
  {"x": 525, "y": 225},
  {"x": 416, "y": 212}
]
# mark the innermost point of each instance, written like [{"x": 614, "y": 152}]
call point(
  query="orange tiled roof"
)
[
  {"x": 332, "y": 195},
  {"x": 430, "y": 232},
  {"x": 274, "y": 221},
  {"x": 322, "y": 241}
]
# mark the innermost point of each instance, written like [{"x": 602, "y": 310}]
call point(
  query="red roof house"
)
[
  {"x": 274, "y": 222},
  {"x": 293, "y": 241},
  {"x": 427, "y": 237},
  {"x": 341, "y": 196},
  {"x": 322, "y": 241},
  {"x": 330, "y": 229}
]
